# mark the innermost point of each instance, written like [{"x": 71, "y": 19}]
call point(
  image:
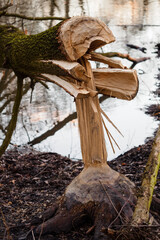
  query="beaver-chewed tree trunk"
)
[{"x": 61, "y": 55}]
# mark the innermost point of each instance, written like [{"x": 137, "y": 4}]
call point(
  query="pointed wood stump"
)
[{"x": 98, "y": 192}]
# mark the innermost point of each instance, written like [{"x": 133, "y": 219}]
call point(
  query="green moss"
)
[
  {"x": 24, "y": 52},
  {"x": 7, "y": 34}
]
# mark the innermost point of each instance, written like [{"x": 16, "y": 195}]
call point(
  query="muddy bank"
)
[{"x": 31, "y": 182}]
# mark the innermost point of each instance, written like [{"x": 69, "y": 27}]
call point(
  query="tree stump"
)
[{"x": 98, "y": 193}]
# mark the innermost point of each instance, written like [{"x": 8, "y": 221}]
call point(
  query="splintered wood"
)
[
  {"x": 79, "y": 34},
  {"x": 73, "y": 69},
  {"x": 78, "y": 37},
  {"x": 110, "y": 62},
  {"x": 114, "y": 82},
  {"x": 73, "y": 89},
  {"x": 119, "y": 83},
  {"x": 90, "y": 126}
]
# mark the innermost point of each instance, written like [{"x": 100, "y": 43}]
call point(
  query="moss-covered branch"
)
[
  {"x": 13, "y": 120},
  {"x": 141, "y": 213},
  {"x": 24, "y": 53}
]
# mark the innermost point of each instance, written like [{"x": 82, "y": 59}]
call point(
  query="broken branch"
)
[
  {"x": 107, "y": 131},
  {"x": 141, "y": 213},
  {"x": 126, "y": 56},
  {"x": 73, "y": 89},
  {"x": 74, "y": 69},
  {"x": 16, "y": 15},
  {"x": 115, "y": 82},
  {"x": 13, "y": 120},
  {"x": 109, "y": 120},
  {"x": 110, "y": 62}
]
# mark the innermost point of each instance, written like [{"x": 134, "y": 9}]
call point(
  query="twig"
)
[
  {"x": 6, "y": 6},
  {"x": 40, "y": 80},
  {"x": 23, "y": 124},
  {"x": 110, "y": 136},
  {"x": 140, "y": 226},
  {"x": 111, "y": 201},
  {"x": 114, "y": 140},
  {"x": 119, "y": 212},
  {"x": 41, "y": 171},
  {"x": 6, "y": 226},
  {"x": 107, "y": 131},
  {"x": 127, "y": 56},
  {"x": 33, "y": 235},
  {"x": 109, "y": 120},
  {"x": 90, "y": 229}
]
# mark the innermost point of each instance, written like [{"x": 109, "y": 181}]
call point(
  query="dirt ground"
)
[{"x": 30, "y": 182}]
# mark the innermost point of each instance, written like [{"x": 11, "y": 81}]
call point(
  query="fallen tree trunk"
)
[{"x": 141, "y": 213}]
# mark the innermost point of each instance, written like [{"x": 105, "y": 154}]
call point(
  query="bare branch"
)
[
  {"x": 30, "y": 18},
  {"x": 67, "y": 3},
  {"x": 6, "y": 6},
  {"x": 13, "y": 120},
  {"x": 126, "y": 56}
]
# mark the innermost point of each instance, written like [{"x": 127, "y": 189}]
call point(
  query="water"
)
[{"x": 51, "y": 116}]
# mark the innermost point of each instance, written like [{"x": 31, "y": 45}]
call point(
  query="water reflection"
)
[{"x": 49, "y": 121}]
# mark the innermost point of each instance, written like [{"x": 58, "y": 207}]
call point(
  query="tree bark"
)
[
  {"x": 141, "y": 213},
  {"x": 90, "y": 126},
  {"x": 23, "y": 53}
]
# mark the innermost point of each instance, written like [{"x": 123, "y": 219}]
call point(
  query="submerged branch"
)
[
  {"x": 59, "y": 126},
  {"x": 52, "y": 131}
]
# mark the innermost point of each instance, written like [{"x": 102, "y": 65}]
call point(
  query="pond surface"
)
[{"x": 49, "y": 121}]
